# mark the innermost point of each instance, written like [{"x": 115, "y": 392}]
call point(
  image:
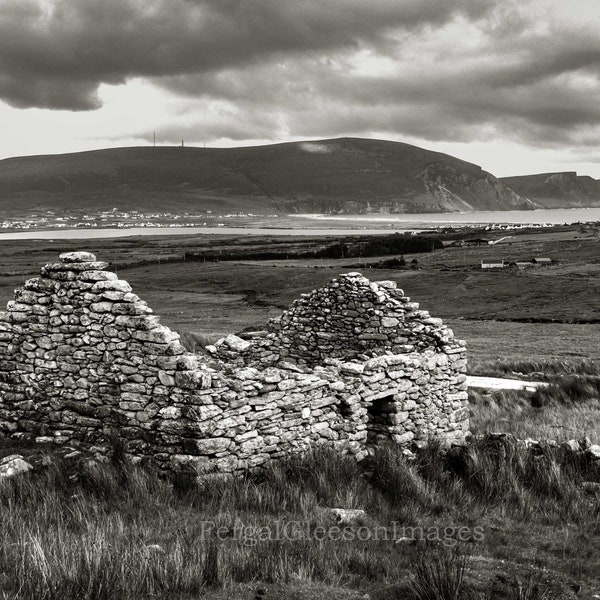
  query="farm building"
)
[{"x": 492, "y": 263}]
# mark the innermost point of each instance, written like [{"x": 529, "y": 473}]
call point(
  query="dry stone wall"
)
[
  {"x": 352, "y": 365},
  {"x": 351, "y": 318}
]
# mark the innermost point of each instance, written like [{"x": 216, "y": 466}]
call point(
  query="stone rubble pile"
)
[{"x": 354, "y": 364}]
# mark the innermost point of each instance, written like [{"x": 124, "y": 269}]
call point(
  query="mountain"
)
[
  {"x": 347, "y": 175},
  {"x": 553, "y": 190}
]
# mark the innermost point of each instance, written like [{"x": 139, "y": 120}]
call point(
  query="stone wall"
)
[
  {"x": 351, "y": 365},
  {"x": 351, "y": 318}
]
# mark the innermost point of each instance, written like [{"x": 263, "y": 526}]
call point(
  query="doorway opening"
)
[{"x": 379, "y": 422}]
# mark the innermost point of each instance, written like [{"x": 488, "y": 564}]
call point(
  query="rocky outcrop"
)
[
  {"x": 355, "y": 364},
  {"x": 461, "y": 191}
]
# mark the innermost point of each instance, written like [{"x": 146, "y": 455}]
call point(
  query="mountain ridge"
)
[
  {"x": 557, "y": 189},
  {"x": 341, "y": 175}
]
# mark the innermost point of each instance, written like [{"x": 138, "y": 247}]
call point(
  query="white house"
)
[{"x": 492, "y": 263}]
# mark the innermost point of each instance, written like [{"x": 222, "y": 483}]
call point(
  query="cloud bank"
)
[{"x": 461, "y": 70}]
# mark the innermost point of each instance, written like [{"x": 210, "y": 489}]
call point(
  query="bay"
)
[{"x": 330, "y": 225}]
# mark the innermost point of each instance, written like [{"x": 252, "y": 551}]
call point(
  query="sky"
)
[{"x": 511, "y": 85}]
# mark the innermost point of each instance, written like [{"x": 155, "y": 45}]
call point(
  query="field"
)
[
  {"x": 549, "y": 315},
  {"x": 221, "y": 297},
  {"x": 540, "y": 523}
]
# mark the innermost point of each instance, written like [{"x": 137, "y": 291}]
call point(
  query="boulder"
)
[
  {"x": 348, "y": 516},
  {"x": 13, "y": 465},
  {"x": 572, "y": 445},
  {"x": 236, "y": 343}
]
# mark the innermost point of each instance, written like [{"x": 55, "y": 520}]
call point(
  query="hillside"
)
[
  {"x": 554, "y": 190},
  {"x": 347, "y": 175}
]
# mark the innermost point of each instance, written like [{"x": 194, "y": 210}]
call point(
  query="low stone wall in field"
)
[{"x": 352, "y": 365}]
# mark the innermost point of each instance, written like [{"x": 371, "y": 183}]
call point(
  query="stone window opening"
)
[
  {"x": 344, "y": 408},
  {"x": 380, "y": 420}
]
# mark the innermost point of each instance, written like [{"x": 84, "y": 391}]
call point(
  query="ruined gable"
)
[
  {"x": 352, "y": 317},
  {"x": 350, "y": 365}
]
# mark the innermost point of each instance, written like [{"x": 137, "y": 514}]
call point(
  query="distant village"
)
[
  {"x": 114, "y": 218},
  {"x": 495, "y": 227},
  {"x": 118, "y": 218}
]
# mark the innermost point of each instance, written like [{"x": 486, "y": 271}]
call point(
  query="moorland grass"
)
[
  {"x": 196, "y": 342},
  {"x": 535, "y": 368},
  {"x": 439, "y": 575},
  {"x": 567, "y": 408},
  {"x": 114, "y": 530}
]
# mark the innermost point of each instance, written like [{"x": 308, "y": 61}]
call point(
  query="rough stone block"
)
[
  {"x": 76, "y": 257},
  {"x": 236, "y": 343},
  {"x": 166, "y": 378},
  {"x": 352, "y": 368},
  {"x": 94, "y": 275},
  {"x": 13, "y": 465},
  {"x": 195, "y": 379},
  {"x": 158, "y": 335},
  {"x": 212, "y": 445}
]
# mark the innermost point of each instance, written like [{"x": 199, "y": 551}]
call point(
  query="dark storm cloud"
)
[
  {"x": 55, "y": 53},
  {"x": 514, "y": 73},
  {"x": 458, "y": 70},
  {"x": 546, "y": 98}
]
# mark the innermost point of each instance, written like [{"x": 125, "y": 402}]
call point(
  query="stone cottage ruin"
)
[{"x": 352, "y": 365}]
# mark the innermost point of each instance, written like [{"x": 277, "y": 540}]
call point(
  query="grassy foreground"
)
[{"x": 488, "y": 521}]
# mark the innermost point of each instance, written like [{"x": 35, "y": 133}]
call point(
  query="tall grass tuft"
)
[
  {"x": 196, "y": 342},
  {"x": 567, "y": 408},
  {"x": 399, "y": 482},
  {"x": 530, "y": 588},
  {"x": 439, "y": 575}
]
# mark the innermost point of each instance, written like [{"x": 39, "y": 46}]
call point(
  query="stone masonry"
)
[{"x": 351, "y": 365}]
